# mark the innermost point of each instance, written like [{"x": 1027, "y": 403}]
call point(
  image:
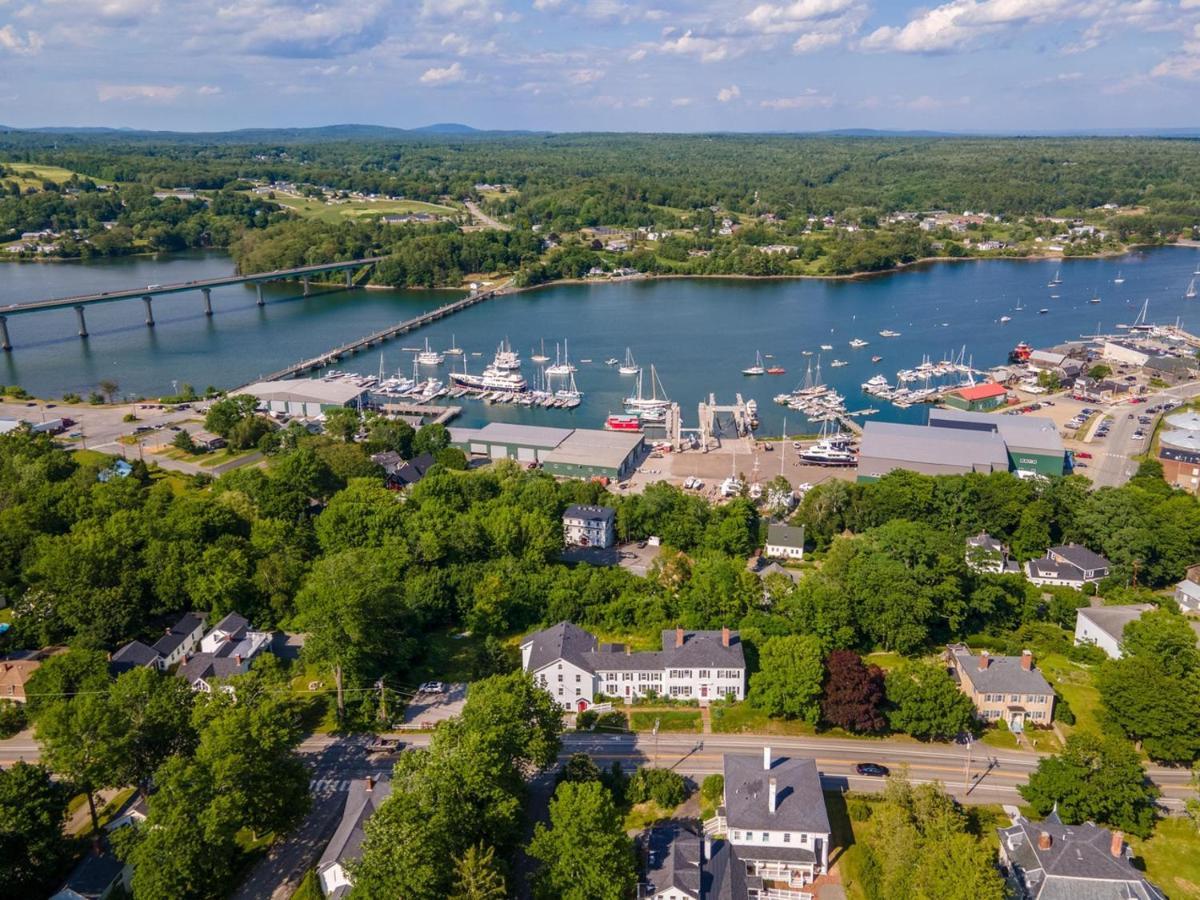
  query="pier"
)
[
  {"x": 204, "y": 285},
  {"x": 378, "y": 337},
  {"x": 438, "y": 415}
]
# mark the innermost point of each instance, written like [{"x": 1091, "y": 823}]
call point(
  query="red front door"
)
[{"x": 582, "y": 704}]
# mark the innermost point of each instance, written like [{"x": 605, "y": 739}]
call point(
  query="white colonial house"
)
[
  {"x": 1071, "y": 565},
  {"x": 784, "y": 541},
  {"x": 589, "y": 526},
  {"x": 692, "y": 665}
]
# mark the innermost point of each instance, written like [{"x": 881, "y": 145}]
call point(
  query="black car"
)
[{"x": 873, "y": 769}]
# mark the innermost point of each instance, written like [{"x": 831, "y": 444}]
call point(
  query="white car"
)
[{"x": 432, "y": 687}]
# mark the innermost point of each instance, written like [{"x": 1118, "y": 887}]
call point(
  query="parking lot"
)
[{"x": 428, "y": 708}]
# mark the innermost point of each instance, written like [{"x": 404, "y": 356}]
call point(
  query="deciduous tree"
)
[
  {"x": 585, "y": 853},
  {"x": 789, "y": 681},
  {"x": 853, "y": 693},
  {"x": 926, "y": 703}
]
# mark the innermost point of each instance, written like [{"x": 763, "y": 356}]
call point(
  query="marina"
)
[{"x": 937, "y": 321}]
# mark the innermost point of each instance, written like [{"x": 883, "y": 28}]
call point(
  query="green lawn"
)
[
  {"x": 1041, "y": 740},
  {"x": 885, "y": 659},
  {"x": 1172, "y": 857},
  {"x": 447, "y": 656},
  {"x": 742, "y": 717},
  {"x": 687, "y": 720},
  {"x": 309, "y": 888},
  {"x": 1074, "y": 682},
  {"x": 645, "y": 814},
  {"x": 220, "y": 457},
  {"x": 40, "y": 173},
  {"x": 359, "y": 209}
]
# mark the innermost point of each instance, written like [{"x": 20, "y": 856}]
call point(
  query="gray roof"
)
[
  {"x": 1050, "y": 568},
  {"x": 1003, "y": 674},
  {"x": 209, "y": 665},
  {"x": 508, "y": 433},
  {"x": 346, "y": 843},
  {"x": 180, "y": 632},
  {"x": 1079, "y": 556},
  {"x": 133, "y": 655},
  {"x": 673, "y": 859},
  {"x": 985, "y": 541},
  {"x": 978, "y": 450},
  {"x": 783, "y": 535},
  {"x": 232, "y": 624},
  {"x": 590, "y": 513},
  {"x": 562, "y": 641},
  {"x": 1181, "y": 440},
  {"x": 1189, "y": 588},
  {"x": 93, "y": 876},
  {"x": 1024, "y": 432},
  {"x": 1113, "y": 619},
  {"x": 1186, "y": 420},
  {"x": 702, "y": 648},
  {"x": 799, "y": 802},
  {"x": 1079, "y": 864},
  {"x": 593, "y": 447},
  {"x": 614, "y": 658}
]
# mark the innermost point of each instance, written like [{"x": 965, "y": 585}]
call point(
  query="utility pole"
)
[
  {"x": 967, "y": 775},
  {"x": 382, "y": 700},
  {"x": 655, "y": 732}
]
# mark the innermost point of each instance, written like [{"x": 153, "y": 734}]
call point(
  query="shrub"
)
[
  {"x": 586, "y": 720},
  {"x": 858, "y": 809},
  {"x": 611, "y": 721},
  {"x": 663, "y": 786},
  {"x": 70, "y": 397},
  {"x": 129, "y": 417},
  {"x": 12, "y": 719},
  {"x": 1063, "y": 712},
  {"x": 712, "y": 788}
]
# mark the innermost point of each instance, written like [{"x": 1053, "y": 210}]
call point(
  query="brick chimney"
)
[
  {"x": 370, "y": 783},
  {"x": 766, "y": 759},
  {"x": 771, "y": 796},
  {"x": 166, "y": 631},
  {"x": 1118, "y": 843},
  {"x": 725, "y": 637},
  {"x": 983, "y": 660},
  {"x": 1027, "y": 660},
  {"x": 237, "y": 658},
  {"x": 678, "y": 636},
  {"x": 1044, "y": 841}
]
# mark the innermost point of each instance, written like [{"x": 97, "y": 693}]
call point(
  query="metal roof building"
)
[
  {"x": 306, "y": 397},
  {"x": 889, "y": 445},
  {"x": 573, "y": 453},
  {"x": 1033, "y": 443}
]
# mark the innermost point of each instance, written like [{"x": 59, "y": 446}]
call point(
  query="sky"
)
[{"x": 602, "y": 65}]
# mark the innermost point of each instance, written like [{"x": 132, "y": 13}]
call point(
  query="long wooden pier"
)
[
  {"x": 438, "y": 414},
  {"x": 379, "y": 337}
]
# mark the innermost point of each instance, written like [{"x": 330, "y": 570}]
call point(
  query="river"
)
[{"x": 699, "y": 333}]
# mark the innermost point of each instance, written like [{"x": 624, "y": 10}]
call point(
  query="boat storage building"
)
[{"x": 567, "y": 452}]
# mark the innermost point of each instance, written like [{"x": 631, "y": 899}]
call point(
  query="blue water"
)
[{"x": 699, "y": 333}]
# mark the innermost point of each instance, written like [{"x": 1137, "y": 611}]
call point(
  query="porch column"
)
[
  {"x": 149, "y": 311},
  {"x": 5, "y": 344},
  {"x": 83, "y": 332},
  {"x": 207, "y": 292}
]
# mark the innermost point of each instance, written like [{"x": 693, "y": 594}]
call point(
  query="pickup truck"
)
[{"x": 385, "y": 745}]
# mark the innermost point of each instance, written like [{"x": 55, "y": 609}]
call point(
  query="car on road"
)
[
  {"x": 641, "y": 545},
  {"x": 432, "y": 687},
  {"x": 385, "y": 745},
  {"x": 1083, "y": 454},
  {"x": 1138, "y": 436},
  {"x": 1081, "y": 465},
  {"x": 874, "y": 770}
]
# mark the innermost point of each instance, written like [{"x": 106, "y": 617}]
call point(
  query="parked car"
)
[
  {"x": 432, "y": 687},
  {"x": 1083, "y": 454},
  {"x": 875, "y": 770},
  {"x": 1081, "y": 465},
  {"x": 385, "y": 745}
]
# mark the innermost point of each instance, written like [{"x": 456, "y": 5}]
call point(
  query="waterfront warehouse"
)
[
  {"x": 1033, "y": 443},
  {"x": 567, "y": 452},
  {"x": 305, "y": 397}
]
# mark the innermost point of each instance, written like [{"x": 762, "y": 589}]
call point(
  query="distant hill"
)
[{"x": 446, "y": 128}]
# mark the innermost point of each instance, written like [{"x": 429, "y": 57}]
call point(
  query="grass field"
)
[
  {"x": 1172, "y": 857},
  {"x": 33, "y": 174},
  {"x": 359, "y": 209},
  {"x": 687, "y": 720},
  {"x": 1037, "y": 739},
  {"x": 1074, "y": 682},
  {"x": 742, "y": 717}
]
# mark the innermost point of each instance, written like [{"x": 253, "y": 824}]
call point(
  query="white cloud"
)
[
  {"x": 729, "y": 93},
  {"x": 545, "y": 5},
  {"x": 1185, "y": 64},
  {"x": 681, "y": 101},
  {"x": 444, "y": 75},
  {"x": 637, "y": 55},
  {"x": 951, "y": 26},
  {"x": 208, "y": 90},
  {"x": 279, "y": 28},
  {"x": 124, "y": 93},
  {"x": 793, "y": 16},
  {"x": 584, "y": 76},
  {"x": 641, "y": 102},
  {"x": 707, "y": 49},
  {"x": 926, "y": 103},
  {"x": 12, "y": 41},
  {"x": 810, "y": 99},
  {"x": 816, "y": 40}
]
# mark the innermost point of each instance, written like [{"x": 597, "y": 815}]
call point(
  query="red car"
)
[{"x": 1083, "y": 454}]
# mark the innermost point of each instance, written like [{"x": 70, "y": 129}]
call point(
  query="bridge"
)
[{"x": 204, "y": 285}]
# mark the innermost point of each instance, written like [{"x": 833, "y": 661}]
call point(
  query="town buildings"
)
[
  {"x": 571, "y": 453},
  {"x": 1003, "y": 688},
  {"x": 978, "y": 397},
  {"x": 1187, "y": 595},
  {"x": 362, "y": 799},
  {"x": 589, "y": 526},
  {"x": 784, "y": 541},
  {"x": 177, "y": 640},
  {"x": 1104, "y": 626},
  {"x": 227, "y": 650},
  {"x": 1048, "y": 860},
  {"x": 986, "y": 554},
  {"x": 1069, "y": 565},
  {"x": 15, "y": 671},
  {"x": 305, "y": 397},
  {"x": 692, "y": 665}
]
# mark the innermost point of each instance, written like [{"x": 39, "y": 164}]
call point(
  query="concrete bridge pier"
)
[
  {"x": 5, "y": 344},
  {"x": 83, "y": 332},
  {"x": 149, "y": 311},
  {"x": 349, "y": 278},
  {"x": 207, "y": 292},
  {"x": 304, "y": 281},
  {"x": 258, "y": 288}
]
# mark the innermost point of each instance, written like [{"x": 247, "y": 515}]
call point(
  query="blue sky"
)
[{"x": 662, "y": 65}]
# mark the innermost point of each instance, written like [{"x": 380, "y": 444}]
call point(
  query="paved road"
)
[
  {"x": 1112, "y": 465},
  {"x": 483, "y": 217}
]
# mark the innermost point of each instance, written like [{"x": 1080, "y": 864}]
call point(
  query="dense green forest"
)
[{"x": 680, "y": 185}]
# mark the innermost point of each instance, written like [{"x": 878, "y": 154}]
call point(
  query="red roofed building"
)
[{"x": 977, "y": 397}]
